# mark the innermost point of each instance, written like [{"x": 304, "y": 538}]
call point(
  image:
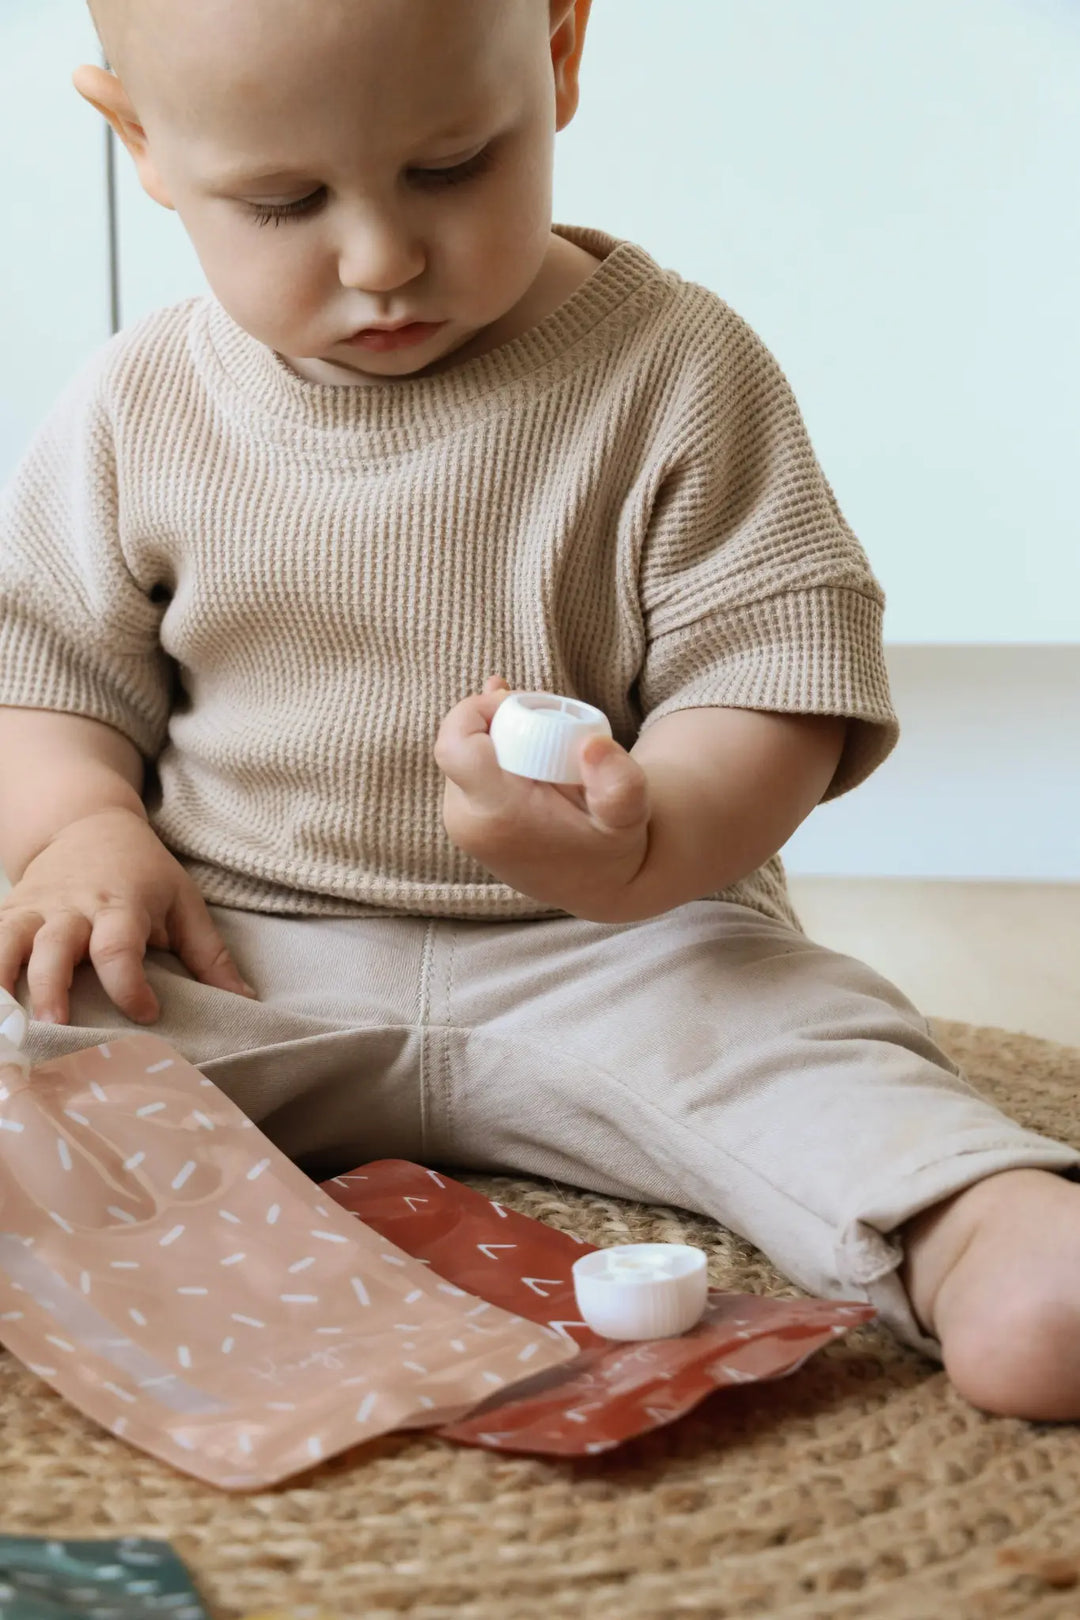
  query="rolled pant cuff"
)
[{"x": 870, "y": 1251}]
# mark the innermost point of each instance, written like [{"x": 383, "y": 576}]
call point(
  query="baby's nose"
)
[{"x": 379, "y": 255}]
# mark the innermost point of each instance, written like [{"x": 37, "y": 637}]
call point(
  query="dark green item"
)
[{"x": 130, "y": 1579}]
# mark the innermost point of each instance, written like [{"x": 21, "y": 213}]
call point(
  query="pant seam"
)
[
  {"x": 424, "y": 1028},
  {"x": 447, "y": 1027}
]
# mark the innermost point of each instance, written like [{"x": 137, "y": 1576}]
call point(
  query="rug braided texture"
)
[{"x": 860, "y": 1486}]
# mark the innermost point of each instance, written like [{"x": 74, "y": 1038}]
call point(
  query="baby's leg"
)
[
  {"x": 326, "y": 1059},
  {"x": 995, "y": 1272},
  {"x": 715, "y": 1059}
]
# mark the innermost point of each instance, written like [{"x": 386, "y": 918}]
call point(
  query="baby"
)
[{"x": 273, "y": 562}]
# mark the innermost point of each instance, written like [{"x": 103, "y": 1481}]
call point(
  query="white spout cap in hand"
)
[
  {"x": 642, "y": 1290},
  {"x": 13, "y": 1026},
  {"x": 541, "y": 735}
]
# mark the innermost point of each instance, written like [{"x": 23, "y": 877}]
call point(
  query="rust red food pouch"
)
[
  {"x": 612, "y": 1392},
  {"x": 172, "y": 1274}
]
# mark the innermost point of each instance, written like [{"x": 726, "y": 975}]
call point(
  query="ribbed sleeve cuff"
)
[
  {"x": 815, "y": 651},
  {"x": 39, "y": 670}
]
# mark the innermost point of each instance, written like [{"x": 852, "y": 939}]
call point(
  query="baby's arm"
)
[
  {"x": 90, "y": 876},
  {"x": 58, "y": 768},
  {"x": 727, "y": 788}
]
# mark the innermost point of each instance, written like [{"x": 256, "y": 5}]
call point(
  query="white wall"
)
[
  {"x": 54, "y": 294},
  {"x": 985, "y": 782}
]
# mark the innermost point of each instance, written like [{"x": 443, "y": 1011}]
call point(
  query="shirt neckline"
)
[{"x": 261, "y": 382}]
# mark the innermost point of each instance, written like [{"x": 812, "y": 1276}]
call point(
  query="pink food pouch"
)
[
  {"x": 172, "y": 1274},
  {"x": 612, "y": 1392}
]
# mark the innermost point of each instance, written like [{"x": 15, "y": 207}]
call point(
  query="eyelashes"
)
[{"x": 422, "y": 179}]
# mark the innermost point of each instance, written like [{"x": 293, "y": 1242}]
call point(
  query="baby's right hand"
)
[{"x": 105, "y": 887}]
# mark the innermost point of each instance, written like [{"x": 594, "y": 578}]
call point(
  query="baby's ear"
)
[
  {"x": 103, "y": 90},
  {"x": 569, "y": 19}
]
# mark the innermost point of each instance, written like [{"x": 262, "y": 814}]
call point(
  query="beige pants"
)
[{"x": 709, "y": 1058}]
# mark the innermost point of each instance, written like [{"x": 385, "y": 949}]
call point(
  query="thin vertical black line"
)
[{"x": 113, "y": 227}]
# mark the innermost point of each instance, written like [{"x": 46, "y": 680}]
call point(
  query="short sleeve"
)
[
  {"x": 77, "y": 632},
  {"x": 754, "y": 592}
]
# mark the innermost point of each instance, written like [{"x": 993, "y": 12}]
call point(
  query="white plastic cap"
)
[
  {"x": 642, "y": 1290},
  {"x": 12, "y": 1032},
  {"x": 540, "y": 735}
]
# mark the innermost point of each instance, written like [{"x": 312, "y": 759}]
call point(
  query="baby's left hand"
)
[{"x": 577, "y": 848}]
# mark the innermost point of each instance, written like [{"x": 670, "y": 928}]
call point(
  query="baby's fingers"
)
[
  {"x": 17, "y": 930},
  {"x": 59, "y": 945},
  {"x": 615, "y": 786},
  {"x": 117, "y": 948},
  {"x": 200, "y": 947}
]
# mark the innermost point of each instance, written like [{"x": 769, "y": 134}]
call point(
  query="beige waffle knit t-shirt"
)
[{"x": 277, "y": 588}]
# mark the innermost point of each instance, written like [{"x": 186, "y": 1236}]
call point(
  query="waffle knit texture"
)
[{"x": 277, "y": 589}]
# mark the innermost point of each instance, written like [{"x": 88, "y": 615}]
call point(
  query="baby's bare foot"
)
[{"x": 994, "y": 1273}]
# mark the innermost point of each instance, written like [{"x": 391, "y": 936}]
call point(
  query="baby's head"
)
[{"x": 340, "y": 164}]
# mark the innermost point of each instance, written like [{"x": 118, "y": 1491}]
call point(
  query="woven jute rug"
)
[{"x": 860, "y": 1486}]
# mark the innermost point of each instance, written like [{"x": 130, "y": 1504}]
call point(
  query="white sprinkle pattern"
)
[
  {"x": 248, "y": 1321},
  {"x": 193, "y": 1290},
  {"x": 299, "y": 1299},
  {"x": 201, "y": 1119},
  {"x": 80, "y": 1119},
  {"x": 235, "y": 1219},
  {"x": 149, "y": 1108},
  {"x": 170, "y": 1237},
  {"x": 156, "y": 1068},
  {"x": 366, "y": 1407},
  {"x": 272, "y": 1214},
  {"x": 97, "y": 1090},
  {"x": 183, "y": 1174},
  {"x": 234, "y": 1259},
  {"x": 257, "y": 1169},
  {"x": 64, "y": 1151},
  {"x": 226, "y": 1346},
  {"x": 61, "y": 1344},
  {"x": 137, "y": 1316},
  {"x": 60, "y": 1221},
  {"x": 329, "y": 1237},
  {"x": 302, "y": 1265},
  {"x": 360, "y": 1291},
  {"x": 134, "y": 1162},
  {"x": 124, "y": 1215},
  {"x": 12, "y": 1125},
  {"x": 123, "y": 1394},
  {"x": 183, "y": 1355},
  {"x": 84, "y": 1282}
]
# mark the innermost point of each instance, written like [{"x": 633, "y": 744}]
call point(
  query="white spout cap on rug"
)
[
  {"x": 541, "y": 735},
  {"x": 642, "y": 1290},
  {"x": 13, "y": 1026}
]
